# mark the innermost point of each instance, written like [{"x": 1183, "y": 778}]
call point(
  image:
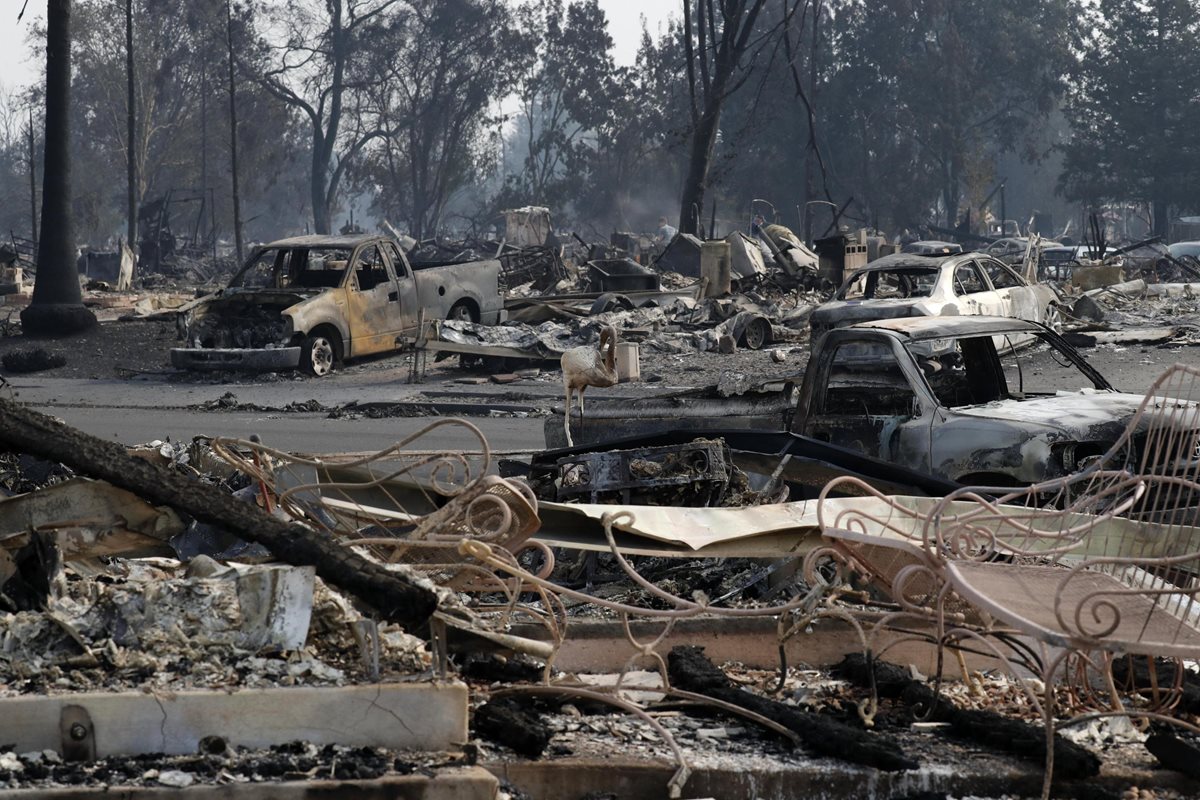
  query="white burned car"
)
[{"x": 910, "y": 285}]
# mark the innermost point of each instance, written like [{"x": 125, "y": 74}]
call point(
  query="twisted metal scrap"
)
[{"x": 414, "y": 507}]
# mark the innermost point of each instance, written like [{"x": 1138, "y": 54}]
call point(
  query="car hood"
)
[
  {"x": 1083, "y": 416},
  {"x": 270, "y": 296}
]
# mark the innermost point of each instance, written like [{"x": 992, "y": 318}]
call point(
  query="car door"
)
[
  {"x": 406, "y": 298},
  {"x": 865, "y": 402},
  {"x": 1014, "y": 297},
  {"x": 375, "y": 313},
  {"x": 972, "y": 289}
]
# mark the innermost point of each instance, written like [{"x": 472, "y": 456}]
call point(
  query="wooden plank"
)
[{"x": 417, "y": 716}]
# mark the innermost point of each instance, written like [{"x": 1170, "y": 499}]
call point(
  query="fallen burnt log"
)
[
  {"x": 989, "y": 728},
  {"x": 1133, "y": 672},
  {"x": 689, "y": 669},
  {"x": 397, "y": 595},
  {"x": 1175, "y": 753},
  {"x": 508, "y": 722}
]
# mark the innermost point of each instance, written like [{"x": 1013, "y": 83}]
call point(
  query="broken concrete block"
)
[
  {"x": 506, "y": 377},
  {"x": 726, "y": 345},
  {"x": 778, "y": 356}
]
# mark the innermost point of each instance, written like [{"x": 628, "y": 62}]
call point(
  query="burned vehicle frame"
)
[
  {"x": 312, "y": 301},
  {"x": 958, "y": 284},
  {"x": 936, "y": 394}
]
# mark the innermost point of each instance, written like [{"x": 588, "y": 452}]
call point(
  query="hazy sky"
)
[{"x": 18, "y": 68}]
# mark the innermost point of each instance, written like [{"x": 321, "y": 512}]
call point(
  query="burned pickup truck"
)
[
  {"x": 312, "y": 301},
  {"x": 955, "y": 397}
]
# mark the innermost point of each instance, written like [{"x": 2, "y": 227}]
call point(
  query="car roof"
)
[
  {"x": 932, "y": 246},
  {"x": 919, "y": 328},
  {"x": 908, "y": 260},
  {"x": 316, "y": 240}
]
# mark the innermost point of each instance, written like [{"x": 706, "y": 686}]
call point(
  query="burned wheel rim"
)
[
  {"x": 755, "y": 335},
  {"x": 320, "y": 355},
  {"x": 1053, "y": 320},
  {"x": 461, "y": 312}
]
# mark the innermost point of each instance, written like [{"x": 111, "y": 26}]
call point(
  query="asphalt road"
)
[{"x": 310, "y": 433}]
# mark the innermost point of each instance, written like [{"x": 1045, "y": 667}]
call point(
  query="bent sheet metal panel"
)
[
  {"x": 90, "y": 518},
  {"x": 768, "y": 531}
]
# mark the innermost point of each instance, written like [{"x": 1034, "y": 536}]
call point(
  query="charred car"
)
[
  {"x": 913, "y": 285},
  {"x": 312, "y": 301},
  {"x": 976, "y": 413}
]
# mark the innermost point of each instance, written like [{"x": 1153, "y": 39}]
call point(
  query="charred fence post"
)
[{"x": 398, "y": 595}]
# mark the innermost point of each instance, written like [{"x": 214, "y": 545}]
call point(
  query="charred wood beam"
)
[
  {"x": 397, "y": 595},
  {"x": 515, "y": 725},
  {"x": 989, "y": 728},
  {"x": 1175, "y": 753},
  {"x": 689, "y": 669}
]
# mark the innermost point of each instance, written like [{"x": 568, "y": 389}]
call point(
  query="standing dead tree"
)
[
  {"x": 721, "y": 38},
  {"x": 319, "y": 65},
  {"x": 445, "y": 68}
]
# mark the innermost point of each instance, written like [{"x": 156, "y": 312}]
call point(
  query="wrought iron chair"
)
[
  {"x": 404, "y": 505},
  {"x": 1096, "y": 565}
]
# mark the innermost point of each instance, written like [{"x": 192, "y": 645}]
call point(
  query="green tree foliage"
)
[
  {"x": 930, "y": 86},
  {"x": 1134, "y": 107}
]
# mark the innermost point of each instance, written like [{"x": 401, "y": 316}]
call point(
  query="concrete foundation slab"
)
[{"x": 415, "y": 716}]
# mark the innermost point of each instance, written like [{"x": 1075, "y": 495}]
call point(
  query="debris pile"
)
[
  {"x": 216, "y": 764},
  {"x": 157, "y": 624}
]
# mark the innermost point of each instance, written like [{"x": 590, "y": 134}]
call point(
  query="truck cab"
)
[{"x": 937, "y": 395}]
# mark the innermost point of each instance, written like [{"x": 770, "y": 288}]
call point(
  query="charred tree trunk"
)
[
  {"x": 689, "y": 669},
  {"x": 714, "y": 46},
  {"x": 233, "y": 153},
  {"x": 57, "y": 306},
  {"x": 33, "y": 215},
  {"x": 1162, "y": 222},
  {"x": 704, "y": 143},
  {"x": 398, "y": 596},
  {"x": 320, "y": 167}
]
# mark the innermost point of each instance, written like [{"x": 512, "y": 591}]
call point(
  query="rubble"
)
[
  {"x": 162, "y": 626},
  {"x": 397, "y": 594},
  {"x": 717, "y": 519},
  {"x": 229, "y": 767}
]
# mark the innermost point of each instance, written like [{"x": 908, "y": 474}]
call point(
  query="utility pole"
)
[
  {"x": 131, "y": 169},
  {"x": 204, "y": 140},
  {"x": 233, "y": 159},
  {"x": 33, "y": 235}
]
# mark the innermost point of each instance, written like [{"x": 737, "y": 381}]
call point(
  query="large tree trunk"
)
[
  {"x": 695, "y": 184},
  {"x": 397, "y": 594},
  {"x": 233, "y": 138},
  {"x": 320, "y": 169},
  {"x": 1162, "y": 221},
  {"x": 57, "y": 306}
]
